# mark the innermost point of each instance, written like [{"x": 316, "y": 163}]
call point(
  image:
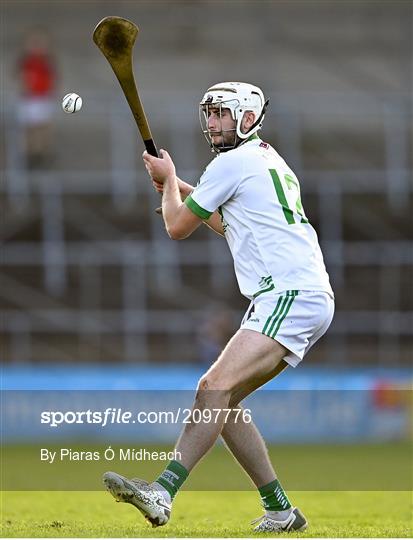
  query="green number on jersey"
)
[{"x": 292, "y": 184}]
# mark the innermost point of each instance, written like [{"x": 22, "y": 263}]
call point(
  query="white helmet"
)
[{"x": 238, "y": 97}]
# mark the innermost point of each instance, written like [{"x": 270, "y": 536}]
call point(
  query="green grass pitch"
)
[
  {"x": 202, "y": 514},
  {"x": 362, "y": 491}
]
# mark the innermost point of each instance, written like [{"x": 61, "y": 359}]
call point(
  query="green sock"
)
[
  {"x": 274, "y": 498},
  {"x": 173, "y": 477}
]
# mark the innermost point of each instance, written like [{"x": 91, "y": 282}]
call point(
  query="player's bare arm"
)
[
  {"x": 185, "y": 189},
  {"x": 215, "y": 223},
  {"x": 180, "y": 222}
]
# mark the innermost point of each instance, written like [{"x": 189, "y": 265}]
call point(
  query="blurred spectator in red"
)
[{"x": 37, "y": 78}]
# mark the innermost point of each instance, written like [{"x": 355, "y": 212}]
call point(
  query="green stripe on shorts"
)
[
  {"x": 280, "y": 312},
  {"x": 274, "y": 313},
  {"x": 287, "y": 309}
]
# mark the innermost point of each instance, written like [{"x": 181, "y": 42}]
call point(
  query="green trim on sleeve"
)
[{"x": 196, "y": 209}]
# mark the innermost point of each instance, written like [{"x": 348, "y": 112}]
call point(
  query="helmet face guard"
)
[
  {"x": 204, "y": 112},
  {"x": 238, "y": 98}
]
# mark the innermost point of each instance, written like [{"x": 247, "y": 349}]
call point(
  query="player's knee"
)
[
  {"x": 207, "y": 382},
  {"x": 203, "y": 383},
  {"x": 213, "y": 381}
]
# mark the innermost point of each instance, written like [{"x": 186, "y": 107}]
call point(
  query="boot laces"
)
[{"x": 275, "y": 524}]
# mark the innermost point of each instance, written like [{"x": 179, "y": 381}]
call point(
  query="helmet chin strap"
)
[
  {"x": 264, "y": 108},
  {"x": 252, "y": 129}
]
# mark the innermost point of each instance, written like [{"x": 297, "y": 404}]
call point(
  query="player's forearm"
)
[
  {"x": 171, "y": 203},
  {"x": 215, "y": 223},
  {"x": 185, "y": 189}
]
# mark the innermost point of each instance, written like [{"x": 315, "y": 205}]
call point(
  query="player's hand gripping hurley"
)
[{"x": 115, "y": 37}]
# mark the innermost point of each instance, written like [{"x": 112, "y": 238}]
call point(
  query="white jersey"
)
[{"x": 258, "y": 196}]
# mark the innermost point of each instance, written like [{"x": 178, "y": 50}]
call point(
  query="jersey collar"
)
[{"x": 253, "y": 136}]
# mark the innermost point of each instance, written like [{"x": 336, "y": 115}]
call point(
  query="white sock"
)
[
  {"x": 280, "y": 516},
  {"x": 160, "y": 488}
]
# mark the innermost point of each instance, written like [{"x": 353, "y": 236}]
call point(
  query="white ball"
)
[{"x": 71, "y": 103}]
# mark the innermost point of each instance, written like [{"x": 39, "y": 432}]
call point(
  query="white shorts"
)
[{"x": 296, "y": 319}]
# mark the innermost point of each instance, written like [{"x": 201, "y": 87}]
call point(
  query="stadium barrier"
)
[{"x": 308, "y": 405}]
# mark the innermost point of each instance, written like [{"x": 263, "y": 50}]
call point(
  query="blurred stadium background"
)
[{"x": 94, "y": 294}]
